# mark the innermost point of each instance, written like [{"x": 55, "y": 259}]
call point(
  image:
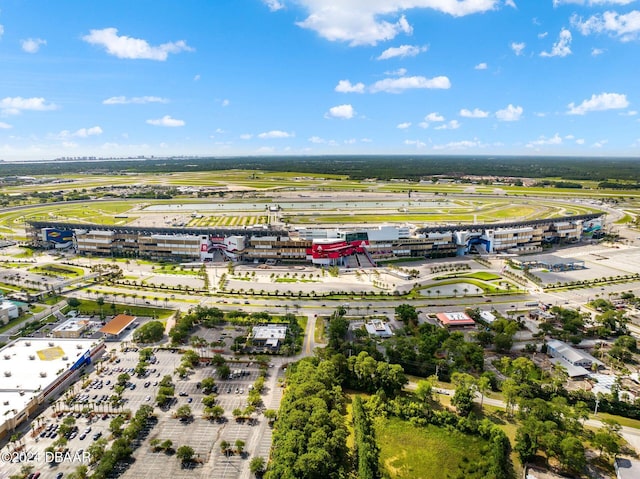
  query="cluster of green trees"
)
[
  {"x": 150, "y": 332},
  {"x": 366, "y": 450},
  {"x": 428, "y": 348},
  {"x": 123, "y": 446},
  {"x": 364, "y": 166},
  {"x": 166, "y": 391},
  {"x": 309, "y": 441}
]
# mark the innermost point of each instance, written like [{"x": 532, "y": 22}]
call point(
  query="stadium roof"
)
[{"x": 117, "y": 324}]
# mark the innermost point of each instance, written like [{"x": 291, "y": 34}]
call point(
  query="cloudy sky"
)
[{"x": 252, "y": 77}]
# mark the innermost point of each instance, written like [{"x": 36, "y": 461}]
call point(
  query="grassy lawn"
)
[
  {"x": 59, "y": 270},
  {"x": 318, "y": 334},
  {"x": 411, "y": 452},
  {"x": 91, "y": 307}
]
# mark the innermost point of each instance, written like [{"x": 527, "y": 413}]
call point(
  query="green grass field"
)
[{"x": 411, "y": 452}]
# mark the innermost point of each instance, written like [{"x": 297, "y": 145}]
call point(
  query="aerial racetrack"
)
[{"x": 245, "y": 198}]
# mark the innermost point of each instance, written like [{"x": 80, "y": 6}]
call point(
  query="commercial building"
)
[
  {"x": 349, "y": 247},
  {"x": 8, "y": 311},
  {"x": 114, "y": 328},
  {"x": 34, "y": 370},
  {"x": 455, "y": 320},
  {"x": 72, "y": 328},
  {"x": 577, "y": 362},
  {"x": 269, "y": 337},
  {"x": 378, "y": 328}
]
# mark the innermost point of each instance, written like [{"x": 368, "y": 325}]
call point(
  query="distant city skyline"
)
[{"x": 319, "y": 77}]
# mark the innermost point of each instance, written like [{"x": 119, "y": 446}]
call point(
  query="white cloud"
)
[
  {"x": 366, "y": 140},
  {"x": 600, "y": 144},
  {"x": 5, "y": 126},
  {"x": 15, "y": 105},
  {"x": 433, "y": 117},
  {"x": 543, "y": 141},
  {"x": 518, "y": 48},
  {"x": 81, "y": 133},
  {"x": 481, "y": 66},
  {"x": 345, "y": 86},
  {"x": 580, "y": 141},
  {"x": 460, "y": 145},
  {"x": 543, "y": 35},
  {"x": 274, "y": 5},
  {"x": 510, "y": 113},
  {"x": 1, "y": 30},
  {"x": 562, "y": 47},
  {"x": 32, "y": 45},
  {"x": 133, "y": 48},
  {"x": 85, "y": 132},
  {"x": 510, "y": 3},
  {"x": 350, "y": 141},
  {"x": 265, "y": 150},
  {"x": 402, "y": 51},
  {"x": 603, "y": 101},
  {"x": 451, "y": 125},
  {"x": 246, "y": 136},
  {"x": 166, "y": 121},
  {"x": 138, "y": 100},
  {"x": 317, "y": 140},
  {"x": 624, "y": 26},
  {"x": 225, "y": 102},
  {"x": 629, "y": 113},
  {"x": 404, "y": 126},
  {"x": 196, "y": 78},
  {"x": 398, "y": 85},
  {"x": 400, "y": 72},
  {"x": 344, "y": 112},
  {"x": 417, "y": 143},
  {"x": 592, "y": 3},
  {"x": 475, "y": 113},
  {"x": 369, "y": 22},
  {"x": 597, "y": 51},
  {"x": 275, "y": 134}
]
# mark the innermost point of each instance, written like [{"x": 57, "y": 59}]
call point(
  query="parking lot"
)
[{"x": 203, "y": 435}]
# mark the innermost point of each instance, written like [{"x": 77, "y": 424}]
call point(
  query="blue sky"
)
[{"x": 258, "y": 77}]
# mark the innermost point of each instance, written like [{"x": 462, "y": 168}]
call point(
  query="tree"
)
[
  {"x": 483, "y": 384},
  {"x": 239, "y": 446},
  {"x": 224, "y": 446},
  {"x": 184, "y": 412},
  {"x": 572, "y": 454},
  {"x": 150, "y": 332},
  {"x": 73, "y": 302},
  {"x": 465, "y": 389},
  {"x": 407, "y": 314},
  {"x": 185, "y": 454},
  {"x": 257, "y": 466}
]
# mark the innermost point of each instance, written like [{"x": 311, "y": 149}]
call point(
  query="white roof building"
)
[
  {"x": 30, "y": 369},
  {"x": 269, "y": 335},
  {"x": 487, "y": 316},
  {"x": 378, "y": 328}
]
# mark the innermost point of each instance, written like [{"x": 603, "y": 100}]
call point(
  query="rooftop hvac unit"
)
[
  {"x": 7, "y": 374},
  {"x": 64, "y": 358},
  {"x": 7, "y": 356},
  {"x": 51, "y": 344},
  {"x": 43, "y": 374},
  {"x": 27, "y": 343},
  {"x": 5, "y": 403},
  {"x": 78, "y": 346},
  {"x": 32, "y": 357}
]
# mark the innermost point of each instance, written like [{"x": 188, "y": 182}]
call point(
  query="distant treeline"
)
[{"x": 411, "y": 168}]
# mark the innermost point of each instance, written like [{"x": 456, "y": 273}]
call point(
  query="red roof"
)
[{"x": 455, "y": 319}]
